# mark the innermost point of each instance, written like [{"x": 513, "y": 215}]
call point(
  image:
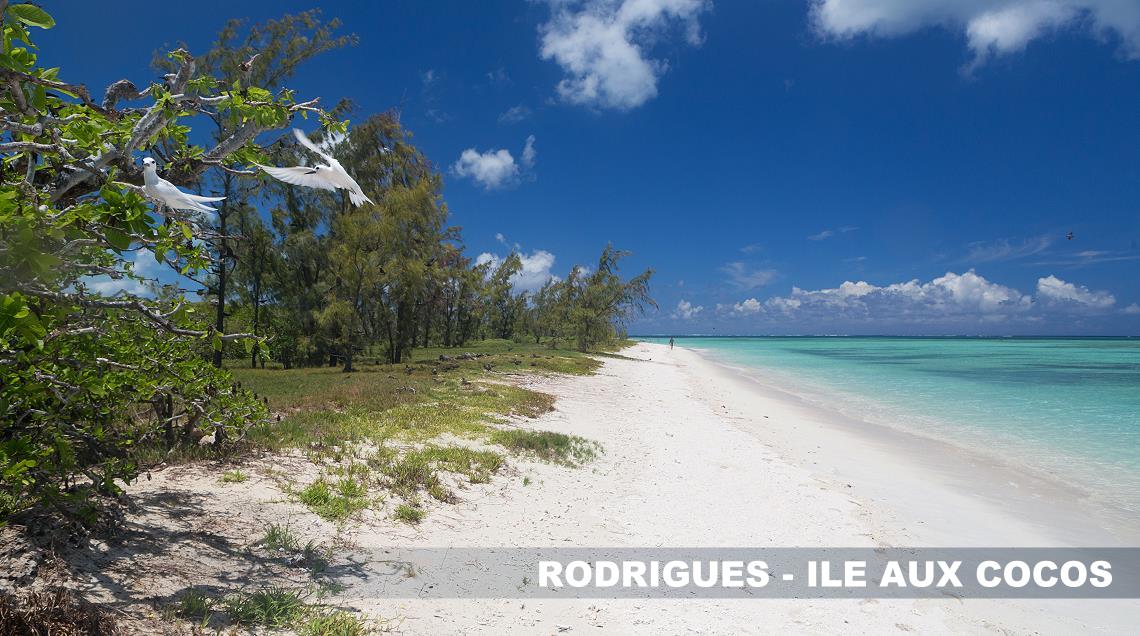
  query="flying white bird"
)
[
  {"x": 158, "y": 188},
  {"x": 327, "y": 177}
]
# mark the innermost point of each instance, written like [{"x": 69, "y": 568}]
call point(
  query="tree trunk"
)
[{"x": 220, "y": 317}]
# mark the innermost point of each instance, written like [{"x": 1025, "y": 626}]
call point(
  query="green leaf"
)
[
  {"x": 31, "y": 14},
  {"x": 117, "y": 238}
]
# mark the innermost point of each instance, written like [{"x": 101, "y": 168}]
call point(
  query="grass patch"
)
[
  {"x": 194, "y": 604},
  {"x": 280, "y": 537},
  {"x": 334, "y": 501},
  {"x": 439, "y": 392},
  {"x": 271, "y": 607},
  {"x": 409, "y": 513},
  {"x": 335, "y": 623},
  {"x": 569, "y": 450},
  {"x": 235, "y": 476},
  {"x": 418, "y": 470}
]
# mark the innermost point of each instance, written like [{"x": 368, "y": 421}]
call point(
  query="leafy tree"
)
[
  {"x": 89, "y": 375},
  {"x": 601, "y": 302}
]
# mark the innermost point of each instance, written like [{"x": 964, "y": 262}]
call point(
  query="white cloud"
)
[
  {"x": 947, "y": 297},
  {"x": 991, "y": 27},
  {"x": 952, "y": 298},
  {"x": 535, "y": 270},
  {"x": 107, "y": 286},
  {"x": 744, "y": 277},
  {"x": 493, "y": 169},
  {"x": 487, "y": 257},
  {"x": 515, "y": 114},
  {"x": 687, "y": 310},
  {"x": 601, "y": 46},
  {"x": 749, "y": 306},
  {"x": 142, "y": 265},
  {"x": 1132, "y": 309},
  {"x": 529, "y": 153},
  {"x": 1053, "y": 289}
]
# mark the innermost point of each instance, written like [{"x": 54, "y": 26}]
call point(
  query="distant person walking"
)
[{"x": 670, "y": 343}]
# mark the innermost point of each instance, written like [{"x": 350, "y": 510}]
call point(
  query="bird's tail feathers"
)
[
  {"x": 198, "y": 199},
  {"x": 358, "y": 198}
]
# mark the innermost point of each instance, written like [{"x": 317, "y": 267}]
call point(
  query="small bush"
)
[{"x": 409, "y": 513}]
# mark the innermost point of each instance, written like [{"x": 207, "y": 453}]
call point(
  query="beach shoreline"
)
[
  {"x": 1050, "y": 510},
  {"x": 697, "y": 456}
]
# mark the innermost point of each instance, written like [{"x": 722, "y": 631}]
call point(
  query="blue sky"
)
[{"x": 828, "y": 166}]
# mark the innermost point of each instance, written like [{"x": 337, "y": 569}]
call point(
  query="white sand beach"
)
[{"x": 695, "y": 455}]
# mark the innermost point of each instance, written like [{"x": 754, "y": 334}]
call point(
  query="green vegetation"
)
[
  {"x": 103, "y": 371},
  {"x": 235, "y": 476},
  {"x": 280, "y": 537},
  {"x": 271, "y": 607},
  {"x": 409, "y": 513},
  {"x": 194, "y": 603},
  {"x": 334, "y": 623},
  {"x": 569, "y": 450},
  {"x": 334, "y": 501}
]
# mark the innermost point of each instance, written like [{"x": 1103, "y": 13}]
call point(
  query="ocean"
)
[{"x": 1068, "y": 407}]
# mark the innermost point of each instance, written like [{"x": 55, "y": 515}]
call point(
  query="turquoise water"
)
[{"x": 1069, "y": 407}]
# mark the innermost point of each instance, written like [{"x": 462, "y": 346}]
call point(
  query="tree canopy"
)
[{"x": 105, "y": 365}]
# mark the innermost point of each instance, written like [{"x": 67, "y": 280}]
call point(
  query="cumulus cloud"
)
[
  {"x": 494, "y": 169},
  {"x": 1132, "y": 309},
  {"x": 1053, "y": 289},
  {"x": 602, "y": 47},
  {"x": 745, "y": 277},
  {"x": 749, "y": 306},
  {"x": 991, "y": 27},
  {"x": 535, "y": 270},
  {"x": 143, "y": 265},
  {"x": 948, "y": 299},
  {"x": 107, "y": 286},
  {"x": 687, "y": 310}
]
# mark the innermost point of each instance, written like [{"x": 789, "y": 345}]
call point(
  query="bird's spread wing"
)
[
  {"x": 299, "y": 175},
  {"x": 306, "y": 142},
  {"x": 345, "y": 180}
]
